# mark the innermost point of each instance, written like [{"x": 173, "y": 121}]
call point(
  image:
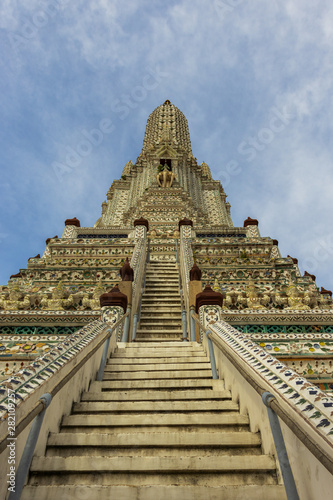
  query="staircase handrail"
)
[
  {"x": 185, "y": 265},
  {"x": 91, "y": 332},
  {"x": 140, "y": 267},
  {"x": 183, "y": 312},
  {"x": 139, "y": 285},
  {"x": 239, "y": 350}
]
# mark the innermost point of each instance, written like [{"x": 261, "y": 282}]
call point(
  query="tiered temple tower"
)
[
  {"x": 157, "y": 335},
  {"x": 191, "y": 191},
  {"x": 265, "y": 295}
]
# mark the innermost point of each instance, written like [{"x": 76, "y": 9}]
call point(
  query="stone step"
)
[
  {"x": 117, "y": 360},
  {"x": 164, "y": 319},
  {"x": 164, "y": 312},
  {"x": 157, "y": 315},
  {"x": 158, "y": 274},
  {"x": 161, "y": 302},
  {"x": 158, "y": 492},
  {"x": 153, "y": 352},
  {"x": 159, "y": 271},
  {"x": 138, "y": 478},
  {"x": 162, "y": 281},
  {"x": 165, "y": 439},
  {"x": 189, "y": 346},
  {"x": 175, "y": 384},
  {"x": 147, "y": 367},
  {"x": 146, "y": 407},
  {"x": 160, "y": 293},
  {"x": 144, "y": 395},
  {"x": 152, "y": 330},
  {"x": 162, "y": 269},
  {"x": 162, "y": 265},
  {"x": 159, "y": 306},
  {"x": 160, "y": 312},
  {"x": 164, "y": 324},
  {"x": 162, "y": 298},
  {"x": 156, "y": 302},
  {"x": 152, "y": 275},
  {"x": 146, "y": 337},
  {"x": 175, "y": 332},
  {"x": 164, "y": 285},
  {"x": 152, "y": 375},
  {"x": 152, "y": 420},
  {"x": 153, "y": 464},
  {"x": 149, "y": 451},
  {"x": 165, "y": 300},
  {"x": 160, "y": 337},
  {"x": 116, "y": 429},
  {"x": 155, "y": 349},
  {"x": 161, "y": 444},
  {"x": 146, "y": 470},
  {"x": 161, "y": 309},
  {"x": 148, "y": 297}
]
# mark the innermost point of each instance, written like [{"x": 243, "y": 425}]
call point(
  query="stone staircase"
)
[
  {"x": 161, "y": 306},
  {"x": 158, "y": 427}
]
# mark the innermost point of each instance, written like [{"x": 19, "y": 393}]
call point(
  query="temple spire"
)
[{"x": 167, "y": 124}]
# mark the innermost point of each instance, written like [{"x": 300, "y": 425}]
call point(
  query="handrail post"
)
[
  {"x": 135, "y": 324},
  {"x": 287, "y": 474},
  {"x": 29, "y": 449},
  {"x": 212, "y": 355},
  {"x": 184, "y": 320},
  {"x": 192, "y": 325},
  {"x": 126, "y": 324},
  {"x": 104, "y": 356},
  {"x": 148, "y": 252}
]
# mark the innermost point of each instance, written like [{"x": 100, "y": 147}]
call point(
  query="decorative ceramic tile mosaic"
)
[{"x": 305, "y": 398}]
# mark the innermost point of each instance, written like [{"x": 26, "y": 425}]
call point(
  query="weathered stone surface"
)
[{"x": 160, "y": 492}]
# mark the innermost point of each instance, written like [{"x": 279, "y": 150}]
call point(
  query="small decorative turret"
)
[
  {"x": 114, "y": 298},
  {"x": 195, "y": 273},
  {"x": 295, "y": 261},
  {"x": 208, "y": 298},
  {"x": 141, "y": 222},
  {"x": 126, "y": 272},
  {"x": 250, "y": 222},
  {"x": 312, "y": 276},
  {"x": 72, "y": 222},
  {"x": 49, "y": 239},
  {"x": 18, "y": 275},
  {"x": 185, "y": 222},
  {"x": 325, "y": 292}
]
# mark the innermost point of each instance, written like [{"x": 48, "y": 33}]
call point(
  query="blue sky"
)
[{"x": 254, "y": 79}]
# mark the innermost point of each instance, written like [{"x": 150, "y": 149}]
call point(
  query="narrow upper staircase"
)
[
  {"x": 161, "y": 306},
  {"x": 158, "y": 427}
]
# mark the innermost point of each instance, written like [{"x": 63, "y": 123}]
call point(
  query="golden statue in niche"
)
[{"x": 165, "y": 177}]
